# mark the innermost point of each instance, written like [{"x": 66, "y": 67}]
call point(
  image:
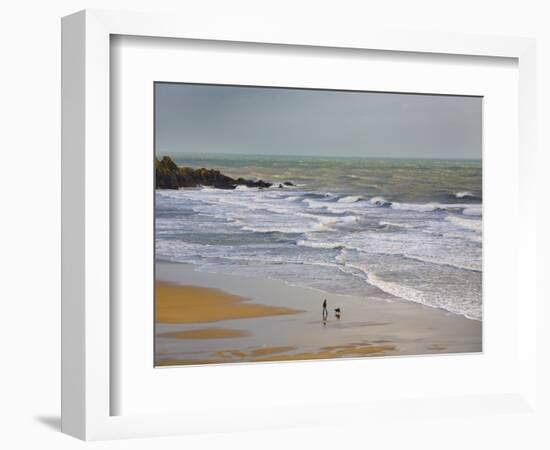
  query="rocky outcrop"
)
[{"x": 169, "y": 176}]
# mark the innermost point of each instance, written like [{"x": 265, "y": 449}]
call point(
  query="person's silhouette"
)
[{"x": 325, "y": 310}]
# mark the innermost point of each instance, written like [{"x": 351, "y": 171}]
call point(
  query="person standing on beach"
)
[{"x": 325, "y": 310}]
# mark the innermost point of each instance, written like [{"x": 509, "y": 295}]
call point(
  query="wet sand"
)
[
  {"x": 206, "y": 333},
  {"x": 284, "y": 354},
  {"x": 191, "y": 304},
  {"x": 206, "y": 318}
]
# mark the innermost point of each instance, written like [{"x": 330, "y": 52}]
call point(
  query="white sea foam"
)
[
  {"x": 318, "y": 244},
  {"x": 278, "y": 229},
  {"x": 466, "y": 307},
  {"x": 473, "y": 211},
  {"x": 380, "y": 201},
  {"x": 470, "y": 224},
  {"x": 432, "y": 206},
  {"x": 349, "y": 199},
  {"x": 399, "y": 291},
  {"x": 432, "y": 286},
  {"x": 385, "y": 223},
  {"x": 431, "y": 247},
  {"x": 315, "y": 204},
  {"x": 339, "y": 220},
  {"x": 421, "y": 207}
]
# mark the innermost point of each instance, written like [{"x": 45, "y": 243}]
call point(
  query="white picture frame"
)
[{"x": 87, "y": 386}]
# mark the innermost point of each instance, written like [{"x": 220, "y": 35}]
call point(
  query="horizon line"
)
[{"x": 298, "y": 155}]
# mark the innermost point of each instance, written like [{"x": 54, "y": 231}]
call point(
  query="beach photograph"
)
[{"x": 300, "y": 224}]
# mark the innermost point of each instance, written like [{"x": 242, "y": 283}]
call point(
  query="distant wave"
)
[
  {"x": 392, "y": 225},
  {"x": 293, "y": 198},
  {"x": 420, "y": 207},
  {"x": 348, "y": 206},
  {"x": 278, "y": 229},
  {"x": 315, "y": 204},
  {"x": 316, "y": 195},
  {"x": 380, "y": 201},
  {"x": 470, "y": 224},
  {"x": 349, "y": 199},
  {"x": 467, "y": 195},
  {"x": 330, "y": 222},
  {"x": 318, "y": 244},
  {"x": 472, "y": 211},
  {"x": 427, "y": 207}
]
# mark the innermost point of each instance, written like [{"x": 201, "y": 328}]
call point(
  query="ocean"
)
[{"x": 381, "y": 229}]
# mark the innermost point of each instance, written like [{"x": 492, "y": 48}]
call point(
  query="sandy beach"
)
[
  {"x": 191, "y": 304},
  {"x": 208, "y": 318}
]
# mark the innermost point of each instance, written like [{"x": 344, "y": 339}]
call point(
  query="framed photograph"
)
[
  {"x": 252, "y": 219},
  {"x": 374, "y": 248}
]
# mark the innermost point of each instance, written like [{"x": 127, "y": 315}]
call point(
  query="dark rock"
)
[
  {"x": 166, "y": 173},
  {"x": 288, "y": 183},
  {"x": 169, "y": 176}
]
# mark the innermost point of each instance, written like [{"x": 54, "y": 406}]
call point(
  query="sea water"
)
[{"x": 389, "y": 229}]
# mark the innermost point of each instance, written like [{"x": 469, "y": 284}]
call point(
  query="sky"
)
[{"x": 193, "y": 118}]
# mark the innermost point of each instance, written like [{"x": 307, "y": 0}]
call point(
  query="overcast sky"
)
[{"x": 247, "y": 120}]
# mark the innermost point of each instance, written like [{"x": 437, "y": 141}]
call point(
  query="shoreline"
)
[
  {"x": 286, "y": 323},
  {"x": 388, "y": 297}
]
